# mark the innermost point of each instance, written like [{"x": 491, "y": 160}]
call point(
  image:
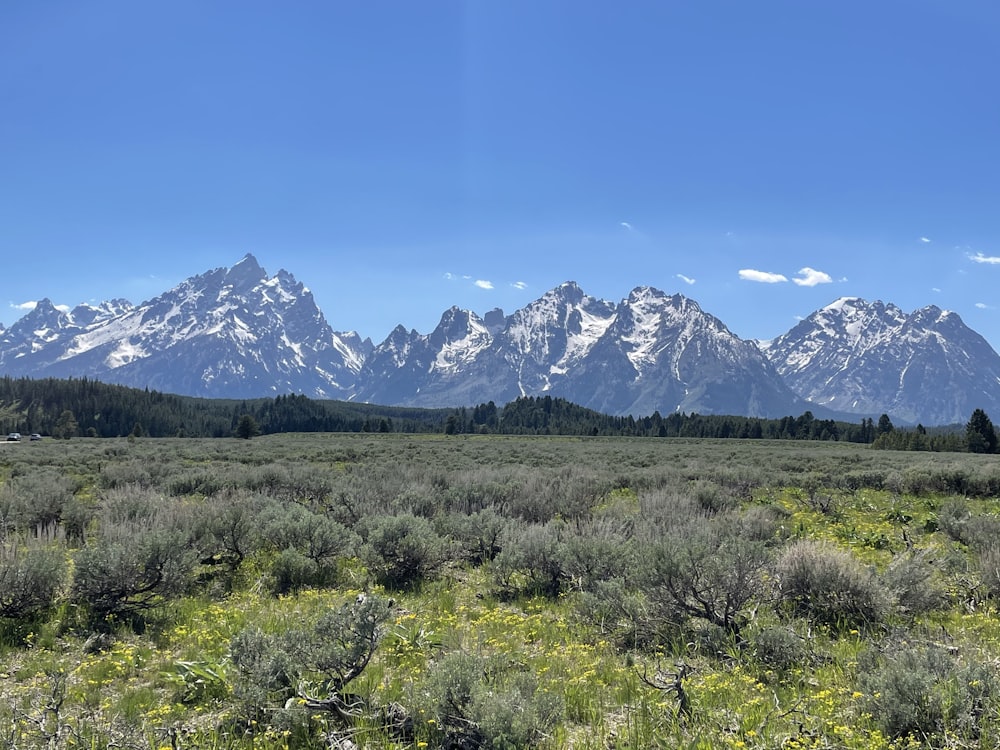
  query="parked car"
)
[
  {"x": 35, "y": 436},
  {"x": 13, "y": 437}
]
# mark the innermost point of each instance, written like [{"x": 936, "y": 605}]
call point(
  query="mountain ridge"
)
[{"x": 239, "y": 333}]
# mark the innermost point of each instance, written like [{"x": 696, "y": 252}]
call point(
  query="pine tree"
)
[
  {"x": 247, "y": 427},
  {"x": 66, "y": 426},
  {"x": 980, "y": 434}
]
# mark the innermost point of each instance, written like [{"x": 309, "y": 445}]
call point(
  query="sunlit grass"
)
[{"x": 173, "y": 681}]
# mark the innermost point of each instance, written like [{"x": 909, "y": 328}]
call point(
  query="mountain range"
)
[{"x": 239, "y": 333}]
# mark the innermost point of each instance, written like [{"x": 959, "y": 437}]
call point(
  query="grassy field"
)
[{"x": 393, "y": 591}]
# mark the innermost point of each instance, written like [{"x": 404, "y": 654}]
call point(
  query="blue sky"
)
[{"x": 401, "y": 157}]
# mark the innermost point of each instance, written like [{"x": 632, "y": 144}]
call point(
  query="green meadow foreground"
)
[{"x": 392, "y": 591}]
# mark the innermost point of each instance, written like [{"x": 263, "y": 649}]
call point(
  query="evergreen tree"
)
[
  {"x": 247, "y": 427},
  {"x": 66, "y": 426},
  {"x": 884, "y": 425},
  {"x": 980, "y": 433}
]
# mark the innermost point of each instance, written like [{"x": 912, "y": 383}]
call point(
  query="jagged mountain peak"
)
[
  {"x": 230, "y": 332},
  {"x": 245, "y": 274},
  {"x": 235, "y": 332},
  {"x": 872, "y": 357},
  {"x": 457, "y": 322},
  {"x": 44, "y": 306}
]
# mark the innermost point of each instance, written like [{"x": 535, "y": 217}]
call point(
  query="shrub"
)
[
  {"x": 913, "y": 583},
  {"x": 230, "y": 526},
  {"x": 989, "y": 569},
  {"x": 34, "y": 501},
  {"x": 30, "y": 578},
  {"x": 779, "y": 647},
  {"x": 479, "y": 703},
  {"x": 317, "y": 663},
  {"x": 479, "y": 536},
  {"x": 403, "y": 550},
  {"x": 924, "y": 690},
  {"x": 292, "y": 571},
  {"x": 315, "y": 536},
  {"x": 514, "y": 714},
  {"x": 536, "y": 551},
  {"x": 707, "y": 569},
  {"x": 144, "y": 552},
  {"x": 618, "y": 611},
  {"x": 829, "y": 586},
  {"x": 125, "y": 573},
  {"x": 596, "y": 551},
  {"x": 953, "y": 518},
  {"x": 711, "y": 498}
]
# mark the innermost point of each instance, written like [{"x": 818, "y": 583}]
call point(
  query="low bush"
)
[
  {"x": 925, "y": 691},
  {"x": 34, "y": 502},
  {"x": 709, "y": 570},
  {"x": 313, "y": 664},
  {"x": 778, "y": 647},
  {"x": 914, "y": 583},
  {"x": 480, "y": 704},
  {"x": 403, "y": 550},
  {"x": 31, "y": 576},
  {"x": 829, "y": 586}
]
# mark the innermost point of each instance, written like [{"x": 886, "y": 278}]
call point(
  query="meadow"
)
[{"x": 481, "y": 591}]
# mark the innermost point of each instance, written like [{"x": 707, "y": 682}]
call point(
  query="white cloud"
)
[
  {"x": 450, "y": 276},
  {"x": 626, "y": 225},
  {"x": 980, "y": 258},
  {"x": 519, "y": 285},
  {"x": 811, "y": 277},
  {"x": 687, "y": 280},
  {"x": 925, "y": 240},
  {"x": 483, "y": 284},
  {"x": 764, "y": 277},
  {"x": 62, "y": 308},
  {"x": 935, "y": 289},
  {"x": 25, "y": 306},
  {"x": 984, "y": 306}
]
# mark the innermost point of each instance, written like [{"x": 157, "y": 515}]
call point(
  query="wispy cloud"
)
[
  {"x": 811, "y": 277},
  {"x": 483, "y": 284},
  {"x": 626, "y": 225},
  {"x": 686, "y": 279},
  {"x": 925, "y": 240},
  {"x": 984, "y": 306},
  {"x": 519, "y": 285},
  {"x": 450, "y": 276},
  {"x": 24, "y": 306},
  {"x": 763, "y": 277},
  {"x": 980, "y": 258}
]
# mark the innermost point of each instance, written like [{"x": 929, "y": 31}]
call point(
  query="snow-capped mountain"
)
[
  {"x": 649, "y": 352},
  {"x": 869, "y": 358},
  {"x": 663, "y": 352},
  {"x": 239, "y": 333},
  {"x": 230, "y": 333},
  {"x": 470, "y": 360}
]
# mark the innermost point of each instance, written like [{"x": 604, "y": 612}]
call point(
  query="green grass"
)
[{"x": 173, "y": 682}]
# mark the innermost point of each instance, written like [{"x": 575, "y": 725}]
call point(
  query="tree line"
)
[{"x": 81, "y": 407}]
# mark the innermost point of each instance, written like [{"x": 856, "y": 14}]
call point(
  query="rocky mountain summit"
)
[
  {"x": 870, "y": 357},
  {"x": 239, "y": 333}
]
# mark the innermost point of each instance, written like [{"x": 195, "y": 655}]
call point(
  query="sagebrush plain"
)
[{"x": 473, "y": 591}]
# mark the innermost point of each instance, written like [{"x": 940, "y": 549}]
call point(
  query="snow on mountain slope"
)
[
  {"x": 229, "y": 332},
  {"x": 239, "y": 333},
  {"x": 870, "y": 358}
]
